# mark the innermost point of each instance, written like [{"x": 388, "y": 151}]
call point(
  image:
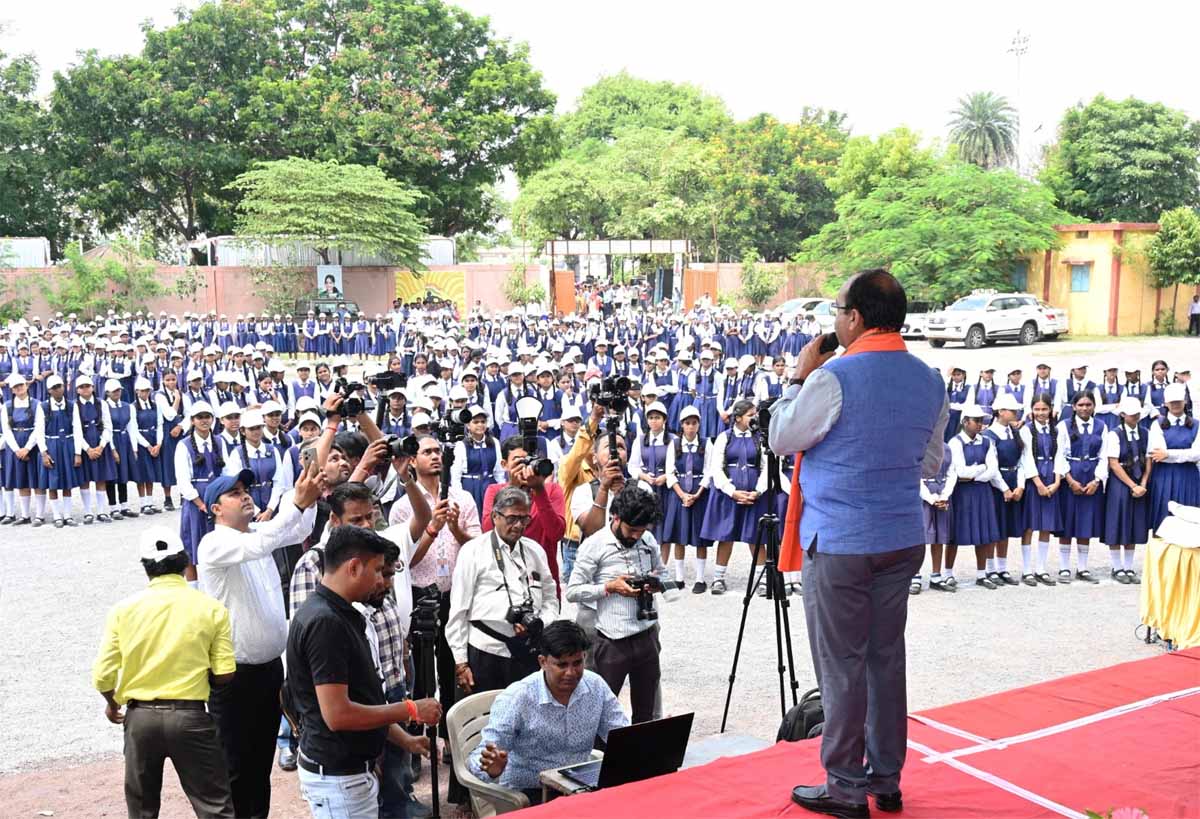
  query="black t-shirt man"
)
[{"x": 327, "y": 645}]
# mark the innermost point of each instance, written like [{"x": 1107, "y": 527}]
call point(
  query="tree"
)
[
  {"x": 1174, "y": 252},
  {"x": 621, "y": 102},
  {"x": 771, "y": 187},
  {"x": 984, "y": 127},
  {"x": 759, "y": 282},
  {"x": 866, "y": 163},
  {"x": 518, "y": 292},
  {"x": 567, "y": 200},
  {"x": 1124, "y": 161},
  {"x": 942, "y": 234},
  {"x": 123, "y": 280},
  {"x": 331, "y": 207}
]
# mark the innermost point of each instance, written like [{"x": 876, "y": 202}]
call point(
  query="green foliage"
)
[
  {"x": 420, "y": 89},
  {"x": 122, "y": 281},
  {"x": 188, "y": 284},
  {"x": 281, "y": 285},
  {"x": 866, "y": 163},
  {"x": 518, "y": 292},
  {"x": 759, "y": 282},
  {"x": 984, "y": 127},
  {"x": 1174, "y": 256},
  {"x": 621, "y": 102},
  {"x": 330, "y": 207},
  {"x": 942, "y": 234},
  {"x": 1125, "y": 161},
  {"x": 15, "y": 293},
  {"x": 567, "y": 200},
  {"x": 31, "y": 203}
]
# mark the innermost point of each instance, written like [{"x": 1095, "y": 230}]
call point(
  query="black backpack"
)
[{"x": 803, "y": 721}]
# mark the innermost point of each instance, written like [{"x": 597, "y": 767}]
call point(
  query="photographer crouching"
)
[
  {"x": 501, "y": 597},
  {"x": 619, "y": 570}
]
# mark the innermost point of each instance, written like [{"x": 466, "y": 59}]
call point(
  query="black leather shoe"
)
[
  {"x": 817, "y": 799},
  {"x": 889, "y": 802},
  {"x": 287, "y": 759}
]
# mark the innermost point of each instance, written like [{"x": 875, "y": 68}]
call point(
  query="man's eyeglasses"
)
[
  {"x": 844, "y": 307},
  {"x": 515, "y": 520}
]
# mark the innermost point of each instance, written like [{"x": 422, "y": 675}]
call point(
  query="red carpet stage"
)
[{"x": 1125, "y": 736}]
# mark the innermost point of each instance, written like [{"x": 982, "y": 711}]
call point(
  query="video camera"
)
[
  {"x": 453, "y": 426},
  {"x": 405, "y": 447},
  {"x": 647, "y": 585},
  {"x": 612, "y": 393},
  {"x": 542, "y": 467},
  {"x": 523, "y": 614},
  {"x": 352, "y": 405},
  {"x": 388, "y": 380}
]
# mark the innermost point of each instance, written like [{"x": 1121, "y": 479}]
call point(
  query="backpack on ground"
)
[{"x": 803, "y": 721}]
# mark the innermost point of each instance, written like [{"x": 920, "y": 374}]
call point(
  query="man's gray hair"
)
[{"x": 510, "y": 496}]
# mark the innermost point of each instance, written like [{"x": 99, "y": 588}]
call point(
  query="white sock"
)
[
  {"x": 56, "y": 507},
  {"x": 679, "y": 567},
  {"x": 1002, "y": 564},
  {"x": 7, "y": 504},
  {"x": 980, "y": 574},
  {"x": 1026, "y": 556},
  {"x": 1128, "y": 562},
  {"x": 991, "y": 565},
  {"x": 101, "y": 502},
  {"x": 23, "y": 505},
  {"x": 1083, "y": 555},
  {"x": 39, "y": 506},
  {"x": 719, "y": 572},
  {"x": 701, "y": 562},
  {"x": 1064, "y": 557},
  {"x": 794, "y": 577},
  {"x": 1114, "y": 556},
  {"x": 85, "y": 500},
  {"x": 935, "y": 576},
  {"x": 1043, "y": 552}
]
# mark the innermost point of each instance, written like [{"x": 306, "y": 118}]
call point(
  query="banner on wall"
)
[{"x": 440, "y": 284}]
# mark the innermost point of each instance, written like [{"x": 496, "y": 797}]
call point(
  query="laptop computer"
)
[{"x": 636, "y": 752}]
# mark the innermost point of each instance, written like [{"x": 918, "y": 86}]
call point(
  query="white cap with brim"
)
[
  {"x": 111, "y": 385},
  {"x": 158, "y": 543},
  {"x": 271, "y": 407},
  {"x": 1174, "y": 392},
  {"x": 53, "y": 381},
  {"x": 572, "y": 414},
  {"x": 1130, "y": 406},
  {"x": 421, "y": 420},
  {"x": 200, "y": 408},
  {"x": 306, "y": 402},
  {"x": 83, "y": 381},
  {"x": 15, "y": 380},
  {"x": 1006, "y": 401},
  {"x": 973, "y": 411},
  {"x": 252, "y": 418},
  {"x": 657, "y": 406},
  {"x": 689, "y": 412},
  {"x": 142, "y": 384},
  {"x": 228, "y": 408},
  {"x": 309, "y": 418}
]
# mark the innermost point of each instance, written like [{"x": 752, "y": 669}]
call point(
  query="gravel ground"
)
[{"x": 960, "y": 646}]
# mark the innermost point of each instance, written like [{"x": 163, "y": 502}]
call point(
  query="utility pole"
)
[{"x": 1018, "y": 47}]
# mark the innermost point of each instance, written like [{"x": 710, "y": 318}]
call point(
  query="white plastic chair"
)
[{"x": 464, "y": 724}]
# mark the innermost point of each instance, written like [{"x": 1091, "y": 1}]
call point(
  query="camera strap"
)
[{"x": 498, "y": 554}]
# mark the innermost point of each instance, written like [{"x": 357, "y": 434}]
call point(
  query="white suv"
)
[{"x": 985, "y": 317}]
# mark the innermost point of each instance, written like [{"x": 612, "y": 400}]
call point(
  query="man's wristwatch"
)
[{"x": 799, "y": 382}]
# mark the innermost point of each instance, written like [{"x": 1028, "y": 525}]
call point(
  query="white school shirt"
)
[
  {"x": 135, "y": 432},
  {"x": 234, "y": 465},
  {"x": 1028, "y": 459},
  {"x": 1112, "y": 441},
  {"x": 985, "y": 472},
  {"x": 81, "y": 444},
  {"x": 459, "y": 469},
  {"x": 1056, "y": 393},
  {"x": 718, "y": 477},
  {"x": 36, "y": 437},
  {"x": 690, "y": 446},
  {"x": 51, "y": 406},
  {"x": 636, "y": 468},
  {"x": 183, "y": 465},
  {"x": 931, "y": 498},
  {"x": 1158, "y": 440},
  {"x": 1062, "y": 464},
  {"x": 1003, "y": 433}
]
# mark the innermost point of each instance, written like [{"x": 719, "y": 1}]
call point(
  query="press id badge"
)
[{"x": 443, "y": 568}]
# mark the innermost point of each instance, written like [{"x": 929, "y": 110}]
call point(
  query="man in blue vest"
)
[{"x": 870, "y": 425}]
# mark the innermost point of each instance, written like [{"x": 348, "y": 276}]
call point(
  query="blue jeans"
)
[
  {"x": 285, "y": 739},
  {"x": 568, "y": 562},
  {"x": 395, "y": 774},
  {"x": 340, "y": 797}
]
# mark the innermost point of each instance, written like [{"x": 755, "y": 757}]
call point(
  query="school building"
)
[{"x": 1102, "y": 278}]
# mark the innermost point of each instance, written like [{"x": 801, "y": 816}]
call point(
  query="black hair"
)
[
  {"x": 1165, "y": 422},
  {"x": 1072, "y": 429},
  {"x": 511, "y": 443},
  {"x": 348, "y": 542},
  {"x": 351, "y": 444},
  {"x": 879, "y": 298},
  {"x": 563, "y": 638},
  {"x": 601, "y": 439},
  {"x": 635, "y": 506},
  {"x": 175, "y": 564},
  {"x": 348, "y": 491},
  {"x": 740, "y": 408}
]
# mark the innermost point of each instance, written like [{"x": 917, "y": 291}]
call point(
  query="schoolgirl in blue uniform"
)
[
  {"x": 93, "y": 439},
  {"x": 1127, "y": 499},
  {"x": 261, "y": 458},
  {"x": 285, "y": 336},
  {"x": 58, "y": 452},
  {"x": 1085, "y": 470},
  {"x": 1077, "y": 383},
  {"x": 973, "y": 515},
  {"x": 22, "y": 424},
  {"x": 648, "y": 464},
  {"x": 729, "y": 390},
  {"x": 1159, "y": 381},
  {"x": 477, "y": 460},
  {"x": 770, "y": 385},
  {"x": 958, "y": 393},
  {"x": 1008, "y": 492},
  {"x": 687, "y": 496},
  {"x": 124, "y": 449},
  {"x": 984, "y": 393},
  {"x": 1175, "y": 450},
  {"x": 169, "y": 402},
  {"x": 1043, "y": 498},
  {"x": 1108, "y": 398},
  {"x": 148, "y": 426},
  {"x": 935, "y": 507},
  {"x": 198, "y": 460},
  {"x": 738, "y": 473}
]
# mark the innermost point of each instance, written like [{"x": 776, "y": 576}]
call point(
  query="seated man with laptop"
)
[{"x": 551, "y": 720}]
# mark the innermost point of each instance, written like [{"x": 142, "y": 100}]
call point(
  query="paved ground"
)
[{"x": 56, "y": 585}]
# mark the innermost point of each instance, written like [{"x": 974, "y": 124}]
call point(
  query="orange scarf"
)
[{"x": 791, "y": 553}]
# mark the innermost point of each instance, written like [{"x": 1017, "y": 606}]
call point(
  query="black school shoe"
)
[
  {"x": 986, "y": 582},
  {"x": 700, "y": 587},
  {"x": 1029, "y": 579},
  {"x": 1086, "y": 577},
  {"x": 817, "y": 799},
  {"x": 1007, "y": 579}
]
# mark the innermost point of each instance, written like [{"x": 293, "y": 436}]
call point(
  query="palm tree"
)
[{"x": 984, "y": 128}]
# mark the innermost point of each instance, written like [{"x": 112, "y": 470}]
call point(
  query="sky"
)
[{"x": 883, "y": 63}]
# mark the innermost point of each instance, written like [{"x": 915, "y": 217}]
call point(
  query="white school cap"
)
[
  {"x": 198, "y": 408},
  {"x": 252, "y": 418},
  {"x": 689, "y": 412},
  {"x": 1174, "y": 392},
  {"x": 1131, "y": 406},
  {"x": 1006, "y": 401},
  {"x": 158, "y": 543}
]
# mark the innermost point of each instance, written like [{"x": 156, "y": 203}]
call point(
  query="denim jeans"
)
[
  {"x": 340, "y": 797},
  {"x": 396, "y": 776},
  {"x": 568, "y": 563},
  {"x": 285, "y": 739}
]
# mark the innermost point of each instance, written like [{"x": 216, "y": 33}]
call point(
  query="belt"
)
[
  {"x": 1096, "y": 459},
  {"x": 568, "y": 542},
  {"x": 348, "y": 769},
  {"x": 169, "y": 705},
  {"x": 474, "y": 477}
]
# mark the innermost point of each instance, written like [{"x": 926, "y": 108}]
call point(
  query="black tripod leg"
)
[{"x": 737, "y": 650}]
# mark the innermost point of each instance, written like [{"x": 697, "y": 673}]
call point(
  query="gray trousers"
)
[
  {"x": 856, "y": 607},
  {"x": 189, "y": 739}
]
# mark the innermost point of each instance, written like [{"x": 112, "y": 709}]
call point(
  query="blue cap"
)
[{"x": 222, "y": 484}]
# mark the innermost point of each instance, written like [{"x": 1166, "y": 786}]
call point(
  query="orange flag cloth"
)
[{"x": 791, "y": 553}]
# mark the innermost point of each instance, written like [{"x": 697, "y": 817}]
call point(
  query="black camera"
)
[
  {"x": 402, "y": 447},
  {"x": 453, "y": 426},
  {"x": 352, "y": 405},
  {"x": 523, "y": 614},
  {"x": 646, "y": 586},
  {"x": 760, "y": 426},
  {"x": 388, "y": 380},
  {"x": 427, "y": 604},
  {"x": 612, "y": 393},
  {"x": 542, "y": 467}
]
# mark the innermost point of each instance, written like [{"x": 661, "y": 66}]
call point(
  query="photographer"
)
[
  {"x": 502, "y": 595},
  {"x": 618, "y": 570},
  {"x": 547, "y": 521}
]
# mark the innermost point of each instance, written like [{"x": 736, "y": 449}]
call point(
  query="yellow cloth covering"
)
[{"x": 1171, "y": 592}]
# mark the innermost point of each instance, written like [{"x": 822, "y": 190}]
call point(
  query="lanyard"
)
[{"x": 498, "y": 554}]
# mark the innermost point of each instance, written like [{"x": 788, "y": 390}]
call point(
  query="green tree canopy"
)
[
  {"x": 122, "y": 280},
  {"x": 866, "y": 163},
  {"x": 1126, "y": 161},
  {"x": 1174, "y": 251},
  {"x": 331, "y": 207},
  {"x": 943, "y": 233},
  {"x": 984, "y": 127}
]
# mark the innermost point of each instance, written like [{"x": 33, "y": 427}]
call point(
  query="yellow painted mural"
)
[{"x": 442, "y": 284}]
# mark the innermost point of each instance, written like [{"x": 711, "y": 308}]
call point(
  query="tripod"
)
[
  {"x": 424, "y": 640},
  {"x": 766, "y": 535}
]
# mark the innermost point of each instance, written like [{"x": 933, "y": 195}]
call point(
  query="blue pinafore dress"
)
[
  {"x": 148, "y": 469},
  {"x": 681, "y": 524},
  {"x": 1010, "y": 516},
  {"x": 1174, "y": 482},
  {"x": 122, "y": 444},
  {"x": 20, "y": 474},
  {"x": 725, "y": 519},
  {"x": 59, "y": 433},
  {"x": 481, "y": 467},
  {"x": 1043, "y": 514},
  {"x": 166, "y": 457},
  {"x": 1126, "y": 518},
  {"x": 194, "y": 524},
  {"x": 973, "y": 511},
  {"x": 938, "y": 521},
  {"x": 91, "y": 418},
  {"x": 654, "y": 463},
  {"x": 955, "y": 396},
  {"x": 264, "y": 475},
  {"x": 1083, "y": 515}
]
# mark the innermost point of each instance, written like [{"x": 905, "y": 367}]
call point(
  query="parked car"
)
[
  {"x": 800, "y": 306},
  {"x": 1057, "y": 323},
  {"x": 918, "y": 314},
  {"x": 986, "y": 317},
  {"x": 321, "y": 305},
  {"x": 823, "y": 312}
]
